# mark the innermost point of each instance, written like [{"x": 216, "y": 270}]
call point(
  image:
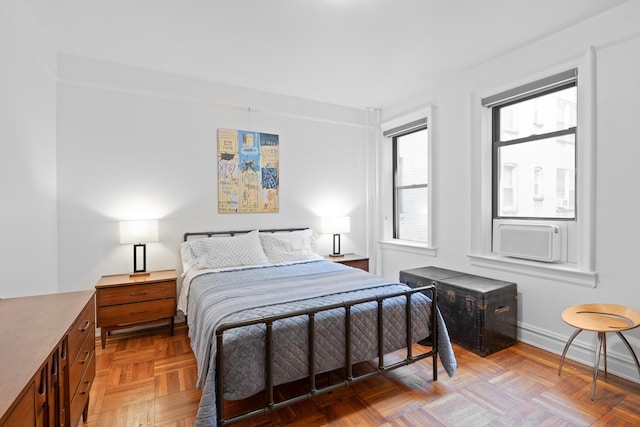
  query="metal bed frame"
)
[{"x": 312, "y": 389}]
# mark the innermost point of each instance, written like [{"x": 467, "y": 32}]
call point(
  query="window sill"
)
[
  {"x": 409, "y": 246},
  {"x": 565, "y": 273}
]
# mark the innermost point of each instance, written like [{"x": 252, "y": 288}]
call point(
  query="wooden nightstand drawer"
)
[
  {"x": 362, "y": 264},
  {"x": 352, "y": 260},
  {"x": 136, "y": 312},
  {"x": 136, "y": 293}
]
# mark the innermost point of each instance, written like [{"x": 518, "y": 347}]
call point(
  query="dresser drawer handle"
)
[
  {"x": 138, "y": 294},
  {"x": 86, "y": 390},
  {"x": 84, "y": 326},
  {"x": 86, "y": 357},
  {"x": 138, "y": 312}
]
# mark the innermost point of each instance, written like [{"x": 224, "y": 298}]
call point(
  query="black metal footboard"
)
[{"x": 349, "y": 377}]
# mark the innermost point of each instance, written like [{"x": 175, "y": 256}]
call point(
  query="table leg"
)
[
  {"x": 604, "y": 347},
  {"x": 566, "y": 347},
  {"x": 626, "y": 343},
  {"x": 596, "y": 364}
]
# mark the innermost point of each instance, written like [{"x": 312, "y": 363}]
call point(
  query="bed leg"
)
[
  {"x": 269, "y": 363},
  {"x": 312, "y": 353},
  {"x": 434, "y": 327},
  {"x": 218, "y": 380}
]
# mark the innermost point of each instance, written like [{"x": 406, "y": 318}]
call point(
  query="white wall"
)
[
  {"x": 133, "y": 142},
  {"x": 138, "y": 143},
  {"x": 616, "y": 39},
  {"x": 28, "y": 255}
]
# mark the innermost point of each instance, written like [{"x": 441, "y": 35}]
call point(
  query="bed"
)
[{"x": 264, "y": 309}]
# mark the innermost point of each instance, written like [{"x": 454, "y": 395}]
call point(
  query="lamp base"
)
[{"x": 336, "y": 255}]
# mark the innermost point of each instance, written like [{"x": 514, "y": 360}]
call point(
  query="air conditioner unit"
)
[{"x": 533, "y": 241}]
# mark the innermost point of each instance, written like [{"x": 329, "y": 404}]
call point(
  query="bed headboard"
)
[{"x": 233, "y": 233}]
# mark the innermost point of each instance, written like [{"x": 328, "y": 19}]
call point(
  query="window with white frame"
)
[
  {"x": 539, "y": 184},
  {"x": 410, "y": 157},
  {"x": 411, "y": 186},
  {"x": 534, "y": 128}
]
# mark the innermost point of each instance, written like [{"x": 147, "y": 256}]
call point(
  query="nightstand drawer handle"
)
[
  {"x": 137, "y": 294},
  {"x": 138, "y": 312},
  {"x": 86, "y": 357},
  {"x": 84, "y": 326}
]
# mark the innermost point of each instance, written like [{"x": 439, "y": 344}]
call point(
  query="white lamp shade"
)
[
  {"x": 336, "y": 225},
  {"x": 144, "y": 231}
]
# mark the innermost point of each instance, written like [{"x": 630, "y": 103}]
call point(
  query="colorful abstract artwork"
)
[{"x": 248, "y": 171}]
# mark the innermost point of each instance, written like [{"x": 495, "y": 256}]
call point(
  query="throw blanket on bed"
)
[{"x": 226, "y": 296}]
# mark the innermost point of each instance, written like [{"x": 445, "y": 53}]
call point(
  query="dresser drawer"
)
[
  {"x": 135, "y": 293},
  {"x": 136, "y": 312},
  {"x": 81, "y": 395},
  {"x": 81, "y": 329},
  {"x": 82, "y": 360}
]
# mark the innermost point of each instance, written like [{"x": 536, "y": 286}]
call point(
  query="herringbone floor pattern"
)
[{"x": 148, "y": 379}]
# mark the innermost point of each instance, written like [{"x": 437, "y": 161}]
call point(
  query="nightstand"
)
[
  {"x": 125, "y": 301},
  {"x": 352, "y": 260}
]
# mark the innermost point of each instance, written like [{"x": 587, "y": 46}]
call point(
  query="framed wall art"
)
[{"x": 248, "y": 171}]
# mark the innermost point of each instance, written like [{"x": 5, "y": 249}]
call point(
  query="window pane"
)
[
  {"x": 412, "y": 159},
  {"x": 538, "y": 188},
  {"x": 412, "y": 214},
  {"x": 548, "y": 113},
  {"x": 522, "y": 183},
  {"x": 508, "y": 184}
]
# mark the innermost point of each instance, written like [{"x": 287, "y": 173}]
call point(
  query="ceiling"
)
[{"x": 358, "y": 53}]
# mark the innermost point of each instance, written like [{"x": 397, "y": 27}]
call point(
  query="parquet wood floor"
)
[{"x": 148, "y": 378}]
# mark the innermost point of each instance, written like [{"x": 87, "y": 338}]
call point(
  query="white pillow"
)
[
  {"x": 219, "y": 252},
  {"x": 290, "y": 246},
  {"x": 185, "y": 254}
]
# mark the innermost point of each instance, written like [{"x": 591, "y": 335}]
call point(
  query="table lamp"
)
[
  {"x": 139, "y": 233},
  {"x": 335, "y": 226}
]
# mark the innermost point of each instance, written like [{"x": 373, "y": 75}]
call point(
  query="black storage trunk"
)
[{"x": 480, "y": 313}]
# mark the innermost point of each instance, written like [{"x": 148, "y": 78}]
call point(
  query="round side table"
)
[{"x": 600, "y": 318}]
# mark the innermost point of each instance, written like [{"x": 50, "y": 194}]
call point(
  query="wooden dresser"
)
[
  {"x": 125, "y": 301},
  {"x": 47, "y": 349}
]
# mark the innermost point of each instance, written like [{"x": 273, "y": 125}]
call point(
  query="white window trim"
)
[
  {"x": 583, "y": 272},
  {"x": 386, "y": 237},
  {"x": 408, "y": 246}
]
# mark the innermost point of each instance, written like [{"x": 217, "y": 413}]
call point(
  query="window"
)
[
  {"x": 534, "y": 128},
  {"x": 411, "y": 186},
  {"x": 538, "y": 188},
  {"x": 565, "y": 190},
  {"x": 579, "y": 222},
  {"x": 509, "y": 188}
]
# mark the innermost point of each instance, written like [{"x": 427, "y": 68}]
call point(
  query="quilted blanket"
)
[{"x": 244, "y": 294}]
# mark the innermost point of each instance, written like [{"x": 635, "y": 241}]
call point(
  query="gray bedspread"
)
[{"x": 225, "y": 297}]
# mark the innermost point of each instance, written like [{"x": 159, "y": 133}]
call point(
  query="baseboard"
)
[{"x": 582, "y": 350}]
